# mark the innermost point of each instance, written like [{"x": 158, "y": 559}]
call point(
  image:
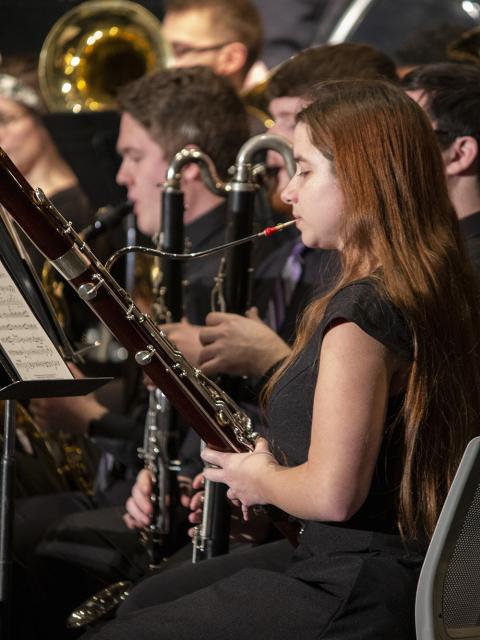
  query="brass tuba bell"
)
[{"x": 94, "y": 49}]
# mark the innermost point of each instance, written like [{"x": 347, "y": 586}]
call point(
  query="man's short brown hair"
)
[
  {"x": 299, "y": 73},
  {"x": 189, "y": 105},
  {"x": 236, "y": 20}
]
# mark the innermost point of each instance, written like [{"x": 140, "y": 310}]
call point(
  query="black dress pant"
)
[{"x": 344, "y": 586}]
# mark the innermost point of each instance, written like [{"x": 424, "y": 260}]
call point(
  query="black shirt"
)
[{"x": 291, "y": 406}]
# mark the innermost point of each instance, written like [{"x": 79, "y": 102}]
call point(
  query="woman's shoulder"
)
[{"x": 364, "y": 303}]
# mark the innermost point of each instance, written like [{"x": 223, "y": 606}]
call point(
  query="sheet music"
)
[{"x": 23, "y": 338}]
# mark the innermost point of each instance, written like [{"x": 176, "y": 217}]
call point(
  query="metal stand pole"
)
[{"x": 7, "y": 472}]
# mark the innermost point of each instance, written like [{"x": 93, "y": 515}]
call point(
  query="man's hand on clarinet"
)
[
  {"x": 239, "y": 345},
  {"x": 139, "y": 506},
  {"x": 186, "y": 338}
]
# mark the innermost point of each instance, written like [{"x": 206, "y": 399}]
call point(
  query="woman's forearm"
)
[{"x": 306, "y": 494}]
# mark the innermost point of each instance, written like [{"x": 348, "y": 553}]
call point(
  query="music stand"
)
[{"x": 23, "y": 390}]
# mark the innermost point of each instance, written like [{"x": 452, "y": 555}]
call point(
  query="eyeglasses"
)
[{"x": 179, "y": 49}]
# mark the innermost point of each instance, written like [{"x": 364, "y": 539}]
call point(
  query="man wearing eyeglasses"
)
[
  {"x": 450, "y": 95},
  {"x": 225, "y": 35}
]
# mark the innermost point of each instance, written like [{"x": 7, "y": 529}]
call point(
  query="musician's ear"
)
[
  {"x": 461, "y": 157},
  {"x": 191, "y": 173}
]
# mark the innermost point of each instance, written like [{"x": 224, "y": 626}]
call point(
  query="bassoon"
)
[{"x": 167, "y": 306}]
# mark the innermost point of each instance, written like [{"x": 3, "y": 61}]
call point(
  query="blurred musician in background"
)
[
  {"x": 449, "y": 92},
  {"x": 226, "y": 36},
  {"x": 26, "y": 140}
]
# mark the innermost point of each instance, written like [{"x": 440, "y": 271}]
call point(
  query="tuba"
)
[{"x": 94, "y": 49}]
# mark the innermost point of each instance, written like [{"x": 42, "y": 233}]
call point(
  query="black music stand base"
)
[{"x": 22, "y": 390}]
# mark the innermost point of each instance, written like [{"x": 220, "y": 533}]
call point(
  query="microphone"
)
[{"x": 106, "y": 218}]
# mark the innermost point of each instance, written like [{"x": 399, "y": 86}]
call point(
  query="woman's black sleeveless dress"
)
[{"x": 349, "y": 581}]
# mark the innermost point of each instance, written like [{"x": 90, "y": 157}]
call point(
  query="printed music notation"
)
[{"x": 23, "y": 338}]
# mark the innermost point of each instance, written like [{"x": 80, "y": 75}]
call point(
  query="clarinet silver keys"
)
[{"x": 156, "y": 458}]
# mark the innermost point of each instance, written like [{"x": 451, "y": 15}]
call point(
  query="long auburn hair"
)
[{"x": 398, "y": 215}]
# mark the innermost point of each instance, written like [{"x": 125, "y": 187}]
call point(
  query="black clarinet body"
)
[
  {"x": 215, "y": 526},
  {"x": 238, "y": 259},
  {"x": 160, "y": 443},
  {"x": 236, "y": 284},
  {"x": 106, "y": 218},
  {"x": 172, "y": 240},
  {"x": 241, "y": 211}
]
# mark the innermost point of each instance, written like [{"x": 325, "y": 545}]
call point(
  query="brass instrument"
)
[
  {"x": 95, "y": 48},
  {"x": 256, "y": 101},
  {"x": 63, "y": 462}
]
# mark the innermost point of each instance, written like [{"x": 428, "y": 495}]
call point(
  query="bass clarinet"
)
[
  {"x": 168, "y": 307},
  {"x": 233, "y": 287}
]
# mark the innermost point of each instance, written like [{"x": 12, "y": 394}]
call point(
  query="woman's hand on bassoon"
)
[
  {"x": 241, "y": 473},
  {"x": 253, "y": 531}
]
